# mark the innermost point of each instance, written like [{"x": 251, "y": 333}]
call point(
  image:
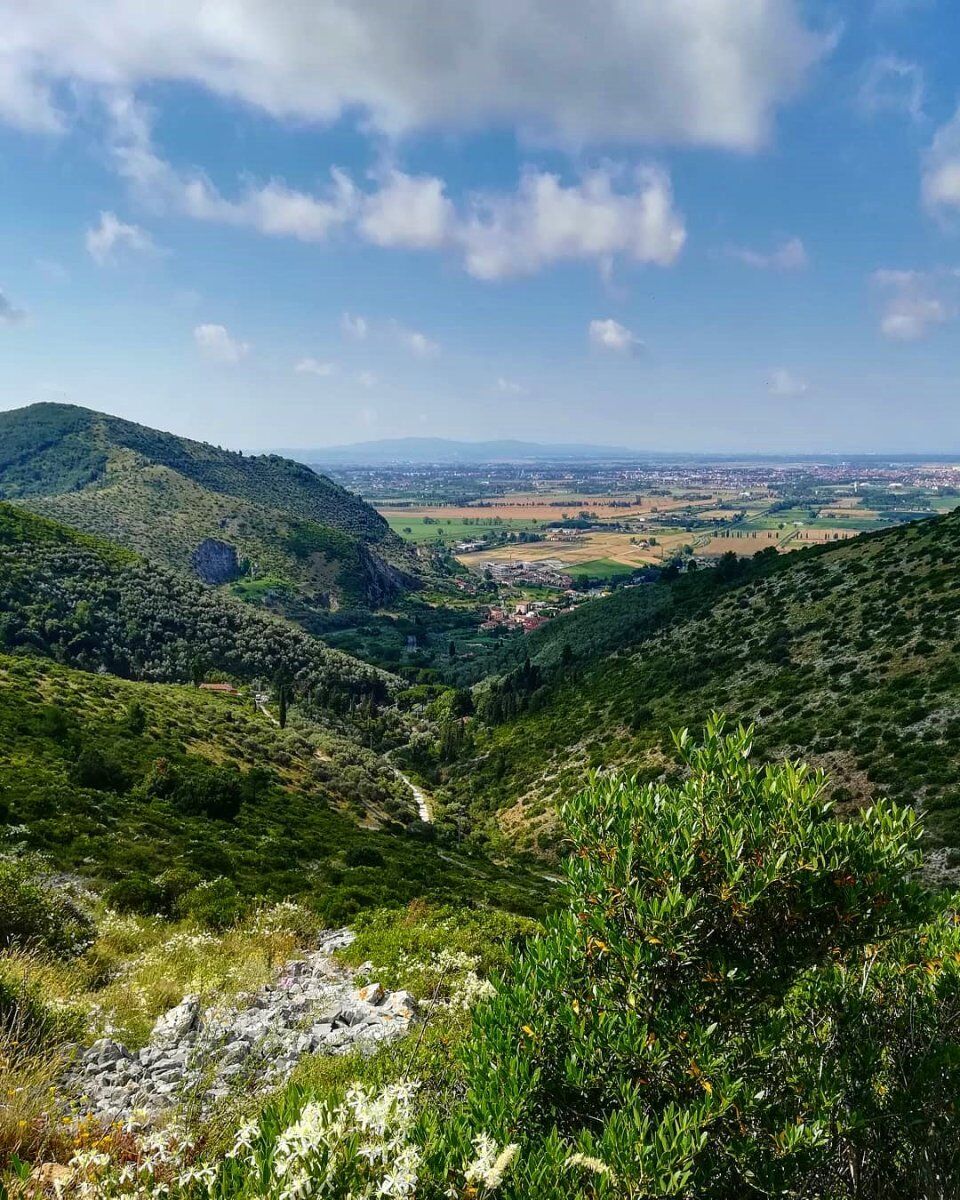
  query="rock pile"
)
[{"x": 200, "y": 1056}]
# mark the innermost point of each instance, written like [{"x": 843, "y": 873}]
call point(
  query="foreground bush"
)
[
  {"x": 743, "y": 997},
  {"x": 32, "y": 915}
]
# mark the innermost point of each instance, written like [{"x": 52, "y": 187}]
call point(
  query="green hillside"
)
[
  {"x": 149, "y": 790},
  {"x": 86, "y": 603},
  {"x": 848, "y": 655},
  {"x": 200, "y": 509}
]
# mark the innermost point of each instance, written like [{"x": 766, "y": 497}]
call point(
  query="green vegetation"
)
[
  {"x": 847, "y": 654},
  {"x": 741, "y": 997},
  {"x": 453, "y": 529},
  {"x": 182, "y": 802},
  {"x": 600, "y": 568},
  {"x": 86, "y": 603},
  {"x": 169, "y": 498}
]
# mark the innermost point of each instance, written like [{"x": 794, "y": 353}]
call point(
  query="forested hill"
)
[
  {"x": 215, "y": 513},
  {"x": 87, "y": 603},
  {"x": 847, "y": 655}
]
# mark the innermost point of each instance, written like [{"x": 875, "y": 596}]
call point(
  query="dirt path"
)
[{"x": 419, "y": 795}]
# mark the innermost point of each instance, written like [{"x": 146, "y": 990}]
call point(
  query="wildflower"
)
[
  {"x": 589, "y": 1163},
  {"x": 490, "y": 1165}
]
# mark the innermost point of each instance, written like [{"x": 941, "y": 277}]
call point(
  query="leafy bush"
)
[
  {"x": 32, "y": 915},
  {"x": 215, "y": 903},
  {"x": 743, "y": 997}
]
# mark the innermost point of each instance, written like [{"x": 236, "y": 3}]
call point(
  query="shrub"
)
[
  {"x": 743, "y": 996},
  {"x": 33, "y": 915},
  {"x": 215, "y": 903}
]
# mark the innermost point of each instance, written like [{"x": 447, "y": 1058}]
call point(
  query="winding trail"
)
[{"x": 419, "y": 795}]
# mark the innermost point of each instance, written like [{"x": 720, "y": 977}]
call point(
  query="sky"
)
[{"x": 697, "y": 225}]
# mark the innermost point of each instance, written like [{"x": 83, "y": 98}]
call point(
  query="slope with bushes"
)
[
  {"x": 201, "y": 509},
  {"x": 848, "y": 654},
  {"x": 740, "y": 997},
  {"x": 87, "y": 603},
  {"x": 177, "y": 800}
]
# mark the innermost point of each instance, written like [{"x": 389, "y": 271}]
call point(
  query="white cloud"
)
[
  {"x": 367, "y": 379},
  {"x": 941, "y": 168},
  {"x": 354, "y": 327},
  {"x": 408, "y": 210},
  {"x": 916, "y": 302},
  {"x": 510, "y": 387},
  {"x": 313, "y": 366},
  {"x": 546, "y": 222},
  {"x": 215, "y": 343},
  {"x": 417, "y": 343},
  {"x": 783, "y": 383},
  {"x": 611, "y": 335},
  {"x": 106, "y": 241},
  {"x": 271, "y": 208},
  {"x": 708, "y": 72},
  {"x": 607, "y": 212},
  {"x": 9, "y": 314},
  {"x": 892, "y": 84},
  {"x": 790, "y": 255}
]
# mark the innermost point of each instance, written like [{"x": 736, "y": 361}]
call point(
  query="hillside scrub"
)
[{"x": 743, "y": 996}]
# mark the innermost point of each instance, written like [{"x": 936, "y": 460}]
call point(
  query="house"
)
[{"x": 226, "y": 688}]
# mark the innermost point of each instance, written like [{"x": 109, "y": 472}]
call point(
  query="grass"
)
[
  {"x": 600, "y": 568},
  {"x": 453, "y": 529}
]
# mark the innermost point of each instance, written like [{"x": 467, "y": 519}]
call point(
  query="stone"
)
[
  {"x": 401, "y": 1004},
  {"x": 373, "y": 993},
  {"x": 176, "y": 1024}
]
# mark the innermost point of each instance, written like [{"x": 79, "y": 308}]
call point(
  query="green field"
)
[
  {"x": 453, "y": 529},
  {"x": 600, "y": 568}
]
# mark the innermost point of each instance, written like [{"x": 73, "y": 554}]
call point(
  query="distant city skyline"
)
[{"x": 705, "y": 228}]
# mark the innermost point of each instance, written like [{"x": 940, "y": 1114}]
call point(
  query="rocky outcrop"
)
[
  {"x": 315, "y": 1006},
  {"x": 215, "y": 561},
  {"x": 383, "y": 582}
]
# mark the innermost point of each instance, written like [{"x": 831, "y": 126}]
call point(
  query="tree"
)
[{"x": 742, "y": 997}]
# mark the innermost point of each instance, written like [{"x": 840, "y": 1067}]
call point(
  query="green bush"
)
[
  {"x": 215, "y": 903},
  {"x": 38, "y": 917},
  {"x": 743, "y": 997}
]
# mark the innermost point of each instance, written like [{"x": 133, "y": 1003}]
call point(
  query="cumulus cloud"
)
[
  {"x": 709, "y": 72},
  {"x": 112, "y": 237},
  {"x": 270, "y": 208},
  {"x": 408, "y": 210},
  {"x": 313, "y": 366},
  {"x": 785, "y": 384},
  {"x": 547, "y": 222},
  {"x": 215, "y": 343},
  {"x": 354, "y": 327},
  {"x": 916, "y": 302},
  {"x": 9, "y": 314},
  {"x": 941, "y": 168},
  {"x": 790, "y": 255},
  {"x": 892, "y": 85},
  {"x": 608, "y": 212},
  {"x": 610, "y": 335}
]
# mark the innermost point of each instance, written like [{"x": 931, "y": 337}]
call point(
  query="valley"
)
[{"x": 288, "y": 776}]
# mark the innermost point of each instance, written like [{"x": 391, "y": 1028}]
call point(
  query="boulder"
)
[{"x": 176, "y": 1024}]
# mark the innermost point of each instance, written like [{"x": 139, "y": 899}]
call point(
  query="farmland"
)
[{"x": 604, "y": 522}]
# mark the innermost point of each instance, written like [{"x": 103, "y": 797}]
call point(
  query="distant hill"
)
[
  {"x": 87, "y": 603},
  {"x": 217, "y": 514},
  {"x": 846, "y": 655},
  {"x": 442, "y": 450}
]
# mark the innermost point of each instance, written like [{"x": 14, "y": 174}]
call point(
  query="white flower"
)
[{"x": 490, "y": 1165}]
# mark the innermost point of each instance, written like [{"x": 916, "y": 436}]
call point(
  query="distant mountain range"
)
[{"x": 443, "y": 450}]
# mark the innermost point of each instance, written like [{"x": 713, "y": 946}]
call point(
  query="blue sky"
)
[{"x": 670, "y": 224}]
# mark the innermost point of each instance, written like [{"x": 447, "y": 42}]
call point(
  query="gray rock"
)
[{"x": 176, "y": 1024}]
